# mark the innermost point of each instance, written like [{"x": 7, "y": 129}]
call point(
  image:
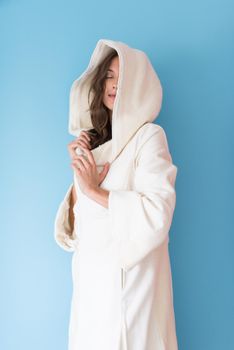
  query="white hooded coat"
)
[{"x": 122, "y": 286}]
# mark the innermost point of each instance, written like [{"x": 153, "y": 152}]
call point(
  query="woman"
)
[{"x": 116, "y": 215}]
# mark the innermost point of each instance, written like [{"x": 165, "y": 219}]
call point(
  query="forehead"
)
[{"x": 114, "y": 65}]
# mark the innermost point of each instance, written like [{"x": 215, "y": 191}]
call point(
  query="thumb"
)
[{"x": 104, "y": 171}]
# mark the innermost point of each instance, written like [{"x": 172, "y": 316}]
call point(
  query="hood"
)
[{"x": 138, "y": 99}]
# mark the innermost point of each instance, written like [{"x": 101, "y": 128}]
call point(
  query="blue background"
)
[{"x": 45, "y": 46}]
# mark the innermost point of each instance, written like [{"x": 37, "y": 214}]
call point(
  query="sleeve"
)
[
  {"x": 64, "y": 236},
  {"x": 141, "y": 218}
]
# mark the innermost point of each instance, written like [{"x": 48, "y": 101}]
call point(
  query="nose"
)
[{"x": 115, "y": 83}]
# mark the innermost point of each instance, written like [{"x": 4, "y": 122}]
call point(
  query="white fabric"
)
[{"x": 122, "y": 284}]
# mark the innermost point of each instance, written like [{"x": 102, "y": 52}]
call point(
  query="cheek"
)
[
  {"x": 105, "y": 97},
  {"x": 108, "y": 84},
  {"x": 105, "y": 94},
  {"x": 106, "y": 89}
]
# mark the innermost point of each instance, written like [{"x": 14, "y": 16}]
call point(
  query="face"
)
[{"x": 111, "y": 83}]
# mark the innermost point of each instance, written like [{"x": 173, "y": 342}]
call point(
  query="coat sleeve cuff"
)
[
  {"x": 137, "y": 226},
  {"x": 64, "y": 236}
]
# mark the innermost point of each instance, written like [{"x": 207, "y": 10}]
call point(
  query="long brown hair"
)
[{"x": 100, "y": 114}]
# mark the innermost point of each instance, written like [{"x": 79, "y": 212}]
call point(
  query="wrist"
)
[
  {"x": 100, "y": 195},
  {"x": 93, "y": 191}
]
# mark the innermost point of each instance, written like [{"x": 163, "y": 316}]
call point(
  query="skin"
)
[
  {"x": 88, "y": 177},
  {"x": 111, "y": 84}
]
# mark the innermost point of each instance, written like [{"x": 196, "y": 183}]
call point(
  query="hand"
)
[
  {"x": 86, "y": 170},
  {"x": 82, "y": 141}
]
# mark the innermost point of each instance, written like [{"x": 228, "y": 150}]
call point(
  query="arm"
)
[
  {"x": 101, "y": 196},
  {"x": 141, "y": 217}
]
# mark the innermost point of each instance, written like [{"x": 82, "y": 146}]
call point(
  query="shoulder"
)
[
  {"x": 152, "y": 147},
  {"x": 151, "y": 133}
]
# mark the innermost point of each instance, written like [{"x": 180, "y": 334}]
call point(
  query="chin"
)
[{"x": 110, "y": 107}]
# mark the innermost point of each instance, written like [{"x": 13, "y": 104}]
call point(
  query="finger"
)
[
  {"x": 77, "y": 170},
  {"x": 78, "y": 151},
  {"x": 84, "y": 143},
  {"x": 73, "y": 144},
  {"x": 89, "y": 155},
  {"x": 72, "y": 153},
  {"x": 104, "y": 171},
  {"x": 79, "y": 164},
  {"x": 85, "y": 134},
  {"x": 84, "y": 161},
  {"x": 83, "y": 138}
]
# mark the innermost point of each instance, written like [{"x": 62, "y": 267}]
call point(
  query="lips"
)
[{"x": 111, "y": 97}]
